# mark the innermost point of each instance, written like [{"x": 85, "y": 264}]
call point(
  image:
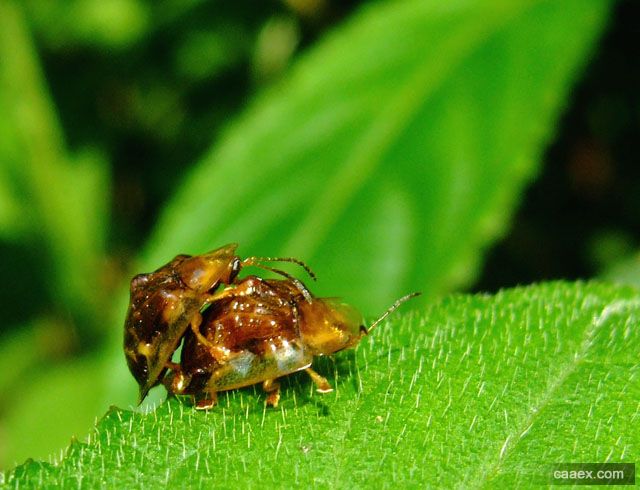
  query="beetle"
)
[
  {"x": 258, "y": 330},
  {"x": 165, "y": 303}
]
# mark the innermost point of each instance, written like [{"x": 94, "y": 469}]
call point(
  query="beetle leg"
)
[
  {"x": 322, "y": 385},
  {"x": 272, "y": 388},
  {"x": 218, "y": 295},
  {"x": 177, "y": 381},
  {"x": 208, "y": 400},
  {"x": 220, "y": 354}
]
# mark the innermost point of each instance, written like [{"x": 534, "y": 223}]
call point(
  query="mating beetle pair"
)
[{"x": 234, "y": 332}]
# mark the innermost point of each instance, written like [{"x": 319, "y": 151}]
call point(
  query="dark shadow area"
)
[
  {"x": 582, "y": 215},
  {"x": 27, "y": 298}
]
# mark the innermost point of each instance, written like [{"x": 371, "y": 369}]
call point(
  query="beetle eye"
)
[
  {"x": 236, "y": 265},
  {"x": 139, "y": 281}
]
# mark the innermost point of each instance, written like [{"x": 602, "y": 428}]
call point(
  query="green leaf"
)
[
  {"x": 41, "y": 412},
  {"x": 12, "y": 226},
  {"x": 396, "y": 148},
  {"x": 625, "y": 271},
  {"x": 62, "y": 199},
  {"x": 107, "y": 24},
  {"x": 473, "y": 392}
]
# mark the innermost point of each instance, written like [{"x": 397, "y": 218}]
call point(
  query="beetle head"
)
[
  {"x": 203, "y": 273},
  {"x": 328, "y": 326}
]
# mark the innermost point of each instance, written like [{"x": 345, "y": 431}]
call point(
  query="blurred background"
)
[{"x": 391, "y": 151}]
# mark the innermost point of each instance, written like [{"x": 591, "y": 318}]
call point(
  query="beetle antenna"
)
[
  {"x": 255, "y": 261},
  {"x": 390, "y": 310},
  {"x": 298, "y": 283}
]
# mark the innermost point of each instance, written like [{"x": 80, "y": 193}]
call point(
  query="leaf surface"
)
[{"x": 473, "y": 392}]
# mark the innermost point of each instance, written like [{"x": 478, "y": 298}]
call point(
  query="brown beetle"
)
[
  {"x": 259, "y": 330},
  {"x": 166, "y": 302}
]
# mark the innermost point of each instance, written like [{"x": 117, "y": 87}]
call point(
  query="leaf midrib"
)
[{"x": 490, "y": 469}]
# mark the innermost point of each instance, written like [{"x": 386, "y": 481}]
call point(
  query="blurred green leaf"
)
[
  {"x": 35, "y": 378},
  {"x": 276, "y": 44},
  {"x": 110, "y": 24},
  {"x": 12, "y": 223},
  {"x": 46, "y": 410},
  {"x": 605, "y": 248},
  {"x": 395, "y": 150},
  {"x": 15, "y": 358},
  {"x": 67, "y": 195},
  {"x": 169, "y": 11},
  {"x": 203, "y": 53},
  {"x": 625, "y": 271},
  {"x": 476, "y": 391}
]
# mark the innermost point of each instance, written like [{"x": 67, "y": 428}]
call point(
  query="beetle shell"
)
[
  {"x": 259, "y": 323},
  {"x": 271, "y": 329},
  {"x": 163, "y": 304}
]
